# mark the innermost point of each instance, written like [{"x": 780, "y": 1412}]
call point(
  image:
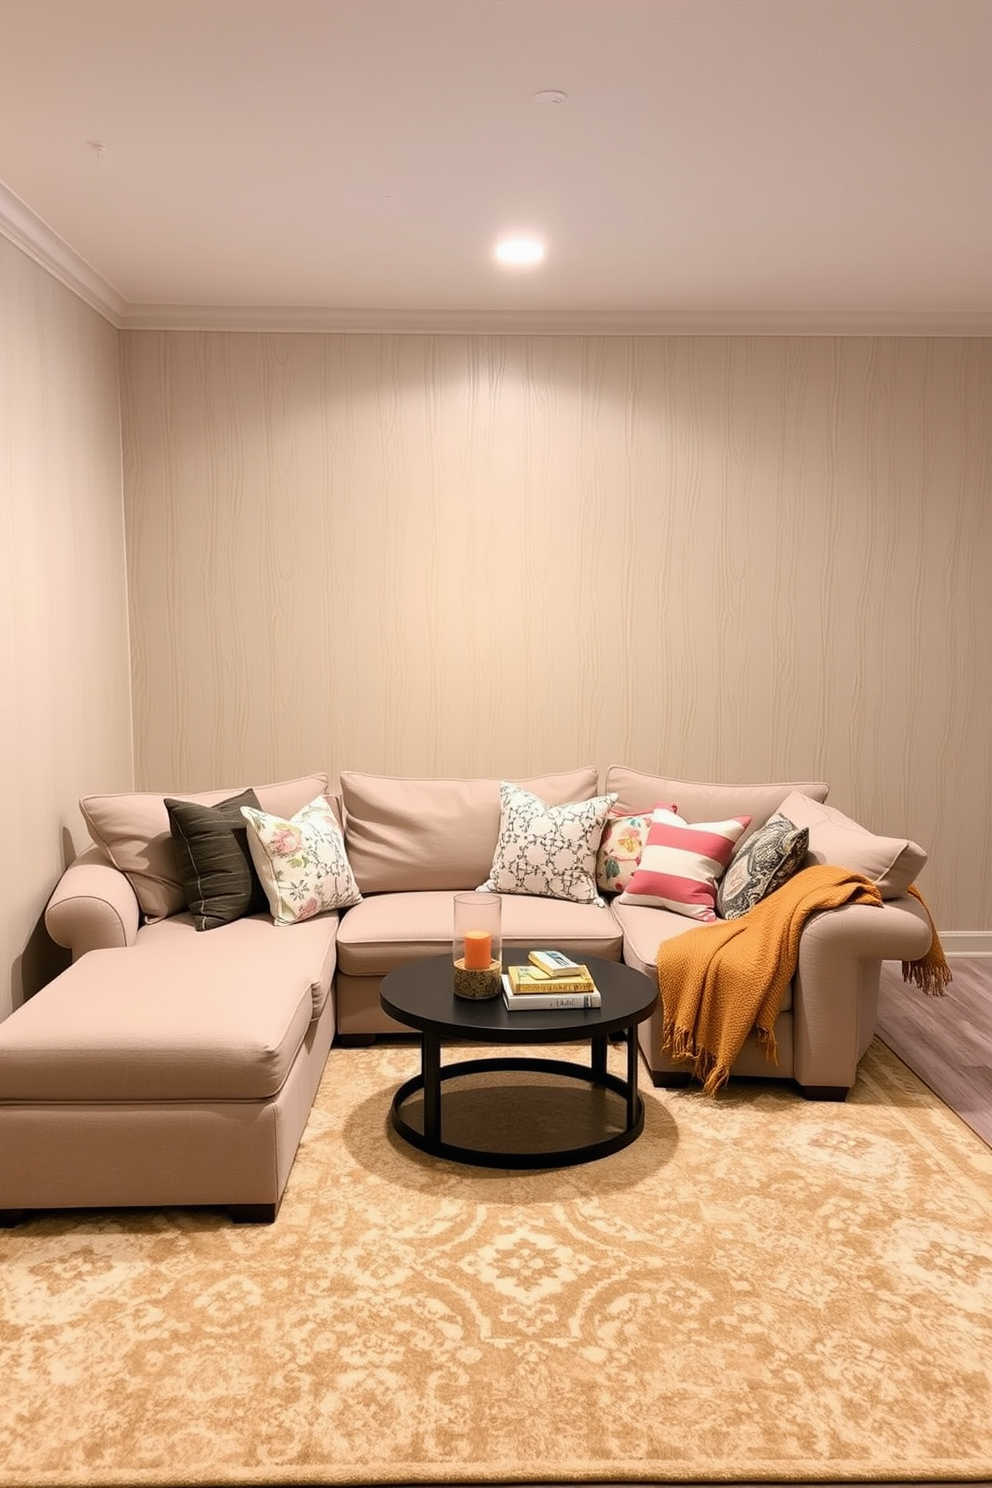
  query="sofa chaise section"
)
[{"x": 178, "y": 1071}]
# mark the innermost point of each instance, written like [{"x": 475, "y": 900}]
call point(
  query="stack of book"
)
[{"x": 550, "y": 979}]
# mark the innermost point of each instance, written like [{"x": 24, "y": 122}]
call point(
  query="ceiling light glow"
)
[{"x": 519, "y": 252}]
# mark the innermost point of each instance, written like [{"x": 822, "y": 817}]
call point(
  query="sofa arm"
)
[
  {"x": 835, "y": 990},
  {"x": 93, "y": 906}
]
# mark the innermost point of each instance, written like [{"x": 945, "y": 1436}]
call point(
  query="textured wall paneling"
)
[
  {"x": 721, "y": 557},
  {"x": 64, "y": 643}
]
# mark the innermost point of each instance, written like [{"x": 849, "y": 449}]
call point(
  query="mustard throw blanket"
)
[{"x": 721, "y": 981}]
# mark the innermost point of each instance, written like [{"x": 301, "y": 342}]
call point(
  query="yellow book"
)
[{"x": 524, "y": 979}]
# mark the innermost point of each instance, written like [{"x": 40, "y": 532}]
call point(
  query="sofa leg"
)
[
  {"x": 253, "y": 1213},
  {"x": 11, "y": 1217},
  {"x": 824, "y": 1092},
  {"x": 669, "y": 1079}
]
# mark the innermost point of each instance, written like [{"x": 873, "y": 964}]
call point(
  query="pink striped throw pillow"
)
[{"x": 682, "y": 863}]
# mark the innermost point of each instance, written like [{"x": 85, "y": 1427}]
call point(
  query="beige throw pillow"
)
[{"x": 892, "y": 863}]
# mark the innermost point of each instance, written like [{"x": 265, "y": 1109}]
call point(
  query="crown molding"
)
[
  {"x": 28, "y": 232},
  {"x": 559, "y": 323}
]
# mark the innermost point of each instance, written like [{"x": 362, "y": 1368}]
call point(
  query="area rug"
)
[{"x": 759, "y": 1288}]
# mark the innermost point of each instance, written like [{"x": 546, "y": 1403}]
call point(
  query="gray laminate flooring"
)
[{"x": 947, "y": 1040}]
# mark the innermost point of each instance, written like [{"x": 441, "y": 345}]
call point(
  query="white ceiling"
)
[{"x": 816, "y": 165}]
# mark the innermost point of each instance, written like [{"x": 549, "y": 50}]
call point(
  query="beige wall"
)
[
  {"x": 721, "y": 558},
  {"x": 63, "y": 643}
]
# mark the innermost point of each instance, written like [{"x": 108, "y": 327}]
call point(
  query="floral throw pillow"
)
[
  {"x": 548, "y": 851},
  {"x": 769, "y": 857},
  {"x": 620, "y": 852},
  {"x": 301, "y": 862}
]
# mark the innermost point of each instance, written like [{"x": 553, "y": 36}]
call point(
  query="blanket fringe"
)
[
  {"x": 768, "y": 1044},
  {"x": 931, "y": 972},
  {"x": 681, "y": 1048}
]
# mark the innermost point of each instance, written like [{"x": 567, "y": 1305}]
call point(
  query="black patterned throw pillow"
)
[
  {"x": 218, "y": 877},
  {"x": 769, "y": 857}
]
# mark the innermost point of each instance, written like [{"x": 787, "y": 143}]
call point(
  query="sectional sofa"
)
[{"x": 175, "y": 1062}]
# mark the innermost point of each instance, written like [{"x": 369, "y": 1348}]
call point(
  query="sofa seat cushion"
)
[
  {"x": 387, "y": 930},
  {"x": 146, "y": 1023},
  {"x": 644, "y": 929},
  {"x": 308, "y": 949}
]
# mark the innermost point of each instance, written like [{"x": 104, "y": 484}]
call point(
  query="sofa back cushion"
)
[
  {"x": 133, "y": 830},
  {"x": 405, "y": 833},
  {"x": 699, "y": 801},
  {"x": 891, "y": 863}
]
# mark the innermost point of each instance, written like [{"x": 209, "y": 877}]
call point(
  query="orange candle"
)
[{"x": 478, "y": 950}]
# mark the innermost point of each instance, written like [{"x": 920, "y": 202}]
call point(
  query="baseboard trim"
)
[{"x": 966, "y": 942}]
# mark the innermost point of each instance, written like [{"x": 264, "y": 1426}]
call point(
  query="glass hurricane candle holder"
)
[{"x": 477, "y": 945}]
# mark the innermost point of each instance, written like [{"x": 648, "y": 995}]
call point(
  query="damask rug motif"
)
[{"x": 758, "y": 1288}]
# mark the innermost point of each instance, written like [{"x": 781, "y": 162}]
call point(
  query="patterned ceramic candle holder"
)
[{"x": 477, "y": 945}]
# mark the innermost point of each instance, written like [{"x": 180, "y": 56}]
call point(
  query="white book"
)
[{"x": 538, "y": 1000}]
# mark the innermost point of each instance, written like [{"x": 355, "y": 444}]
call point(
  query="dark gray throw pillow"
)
[
  {"x": 769, "y": 857},
  {"x": 218, "y": 875}
]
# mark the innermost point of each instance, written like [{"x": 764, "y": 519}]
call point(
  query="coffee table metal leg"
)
[
  {"x": 598, "y": 1055},
  {"x": 430, "y": 1064},
  {"x": 632, "y": 1068}
]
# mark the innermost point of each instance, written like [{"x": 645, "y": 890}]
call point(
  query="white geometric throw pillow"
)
[
  {"x": 302, "y": 863},
  {"x": 548, "y": 851}
]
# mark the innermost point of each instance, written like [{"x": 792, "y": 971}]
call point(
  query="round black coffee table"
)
[{"x": 420, "y": 995}]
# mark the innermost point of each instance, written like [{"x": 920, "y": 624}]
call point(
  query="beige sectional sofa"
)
[{"x": 173, "y": 1066}]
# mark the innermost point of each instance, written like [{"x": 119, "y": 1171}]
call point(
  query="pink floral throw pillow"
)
[
  {"x": 301, "y": 861},
  {"x": 620, "y": 852},
  {"x": 682, "y": 863}
]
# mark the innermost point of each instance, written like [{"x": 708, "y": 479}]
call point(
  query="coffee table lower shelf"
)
[{"x": 434, "y": 1075}]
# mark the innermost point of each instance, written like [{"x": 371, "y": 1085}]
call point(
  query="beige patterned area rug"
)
[{"x": 758, "y": 1288}]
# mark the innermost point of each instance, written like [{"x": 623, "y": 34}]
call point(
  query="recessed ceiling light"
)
[
  {"x": 549, "y": 95},
  {"x": 521, "y": 253}
]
